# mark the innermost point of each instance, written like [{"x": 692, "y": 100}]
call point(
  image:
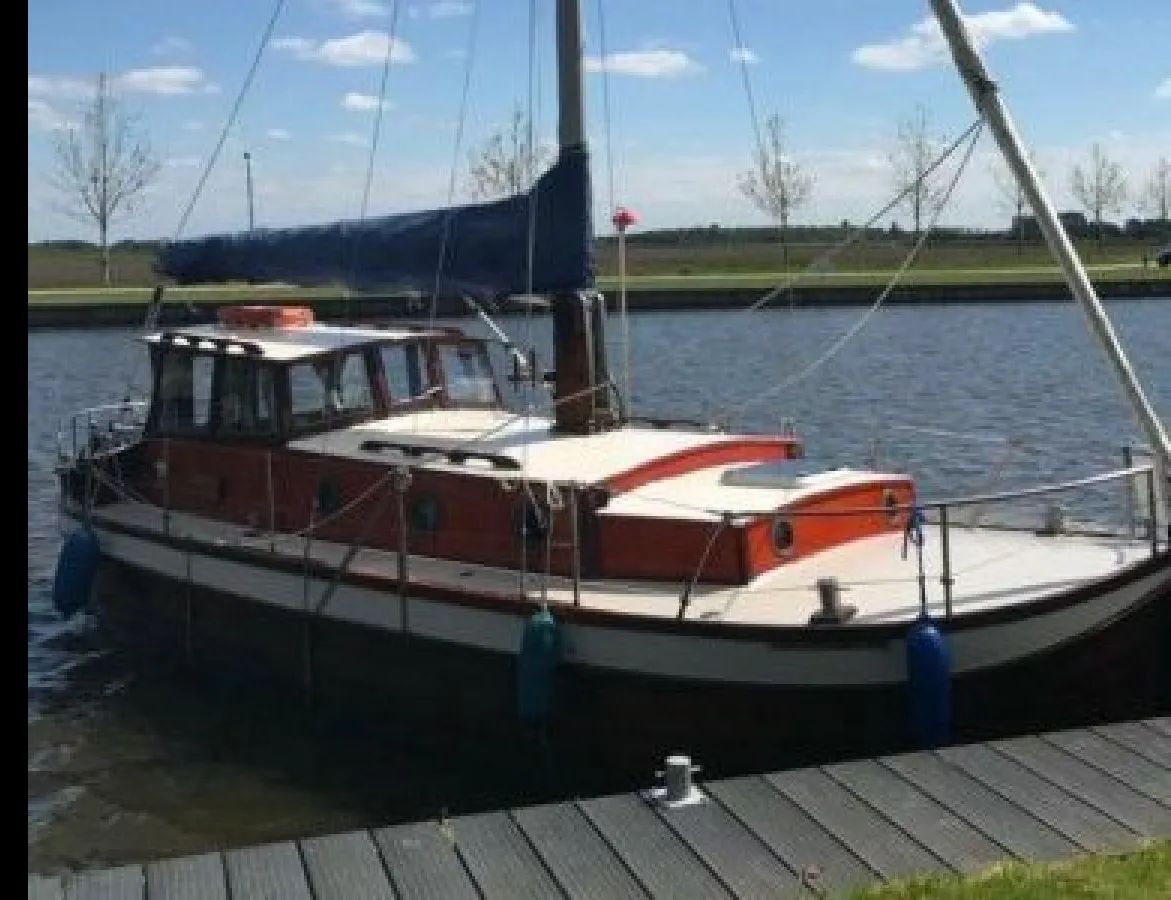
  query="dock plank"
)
[
  {"x": 740, "y": 860},
  {"x": 1022, "y": 836},
  {"x": 1142, "y": 739},
  {"x": 1133, "y": 770},
  {"x": 423, "y": 863},
  {"x": 961, "y": 847},
  {"x": 1064, "y": 813},
  {"x": 581, "y": 862},
  {"x": 819, "y": 859},
  {"x": 854, "y": 823},
  {"x": 121, "y": 883},
  {"x": 1136, "y": 811},
  {"x": 500, "y": 859},
  {"x": 344, "y": 866},
  {"x": 201, "y": 877},
  {"x": 654, "y": 854},
  {"x": 267, "y": 871}
]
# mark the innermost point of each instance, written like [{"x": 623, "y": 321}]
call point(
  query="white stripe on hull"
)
[{"x": 687, "y": 657}]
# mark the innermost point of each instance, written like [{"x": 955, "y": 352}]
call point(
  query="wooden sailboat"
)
[{"x": 355, "y": 510}]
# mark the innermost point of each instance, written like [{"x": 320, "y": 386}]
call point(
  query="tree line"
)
[{"x": 101, "y": 168}]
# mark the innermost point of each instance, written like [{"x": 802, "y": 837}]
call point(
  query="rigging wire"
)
[
  {"x": 457, "y": 148},
  {"x": 974, "y": 132},
  {"x": 154, "y": 309},
  {"x": 610, "y": 202},
  {"x": 231, "y": 119},
  {"x": 853, "y": 236},
  {"x": 364, "y": 207}
]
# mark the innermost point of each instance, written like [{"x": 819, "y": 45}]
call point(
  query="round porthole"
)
[
  {"x": 425, "y": 513},
  {"x": 782, "y": 536}
]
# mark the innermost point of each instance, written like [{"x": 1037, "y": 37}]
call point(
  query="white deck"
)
[
  {"x": 991, "y": 568},
  {"x": 590, "y": 459}
]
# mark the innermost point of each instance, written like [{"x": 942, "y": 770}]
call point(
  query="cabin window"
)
[
  {"x": 312, "y": 387},
  {"x": 184, "y": 394},
  {"x": 247, "y": 403},
  {"x": 330, "y": 390},
  {"x": 467, "y": 374},
  {"x": 354, "y": 385},
  {"x": 405, "y": 372}
]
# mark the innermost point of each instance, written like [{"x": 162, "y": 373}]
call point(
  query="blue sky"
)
[{"x": 841, "y": 74}]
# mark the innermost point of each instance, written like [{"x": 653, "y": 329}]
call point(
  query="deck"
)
[
  {"x": 987, "y": 564},
  {"x": 808, "y": 832}
]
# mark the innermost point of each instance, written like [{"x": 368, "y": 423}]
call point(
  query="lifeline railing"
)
[
  {"x": 100, "y": 429},
  {"x": 942, "y": 511},
  {"x": 1142, "y": 505}
]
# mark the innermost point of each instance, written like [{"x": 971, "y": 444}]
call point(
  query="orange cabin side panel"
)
[{"x": 813, "y": 533}]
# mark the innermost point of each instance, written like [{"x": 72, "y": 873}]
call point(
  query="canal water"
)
[{"x": 125, "y": 766}]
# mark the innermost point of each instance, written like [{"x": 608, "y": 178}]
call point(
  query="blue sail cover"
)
[{"x": 480, "y": 249}]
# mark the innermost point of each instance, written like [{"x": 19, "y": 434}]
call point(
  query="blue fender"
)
[
  {"x": 77, "y": 563},
  {"x": 929, "y": 685},
  {"x": 537, "y": 667}
]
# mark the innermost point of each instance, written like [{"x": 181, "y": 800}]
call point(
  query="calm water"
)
[{"x": 122, "y": 767}]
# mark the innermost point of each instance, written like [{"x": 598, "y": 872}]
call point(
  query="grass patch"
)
[
  {"x": 1144, "y": 874},
  {"x": 70, "y": 275}
]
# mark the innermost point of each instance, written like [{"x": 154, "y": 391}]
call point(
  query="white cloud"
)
[
  {"x": 43, "y": 117},
  {"x": 645, "y": 63},
  {"x": 925, "y": 45},
  {"x": 743, "y": 55},
  {"x": 278, "y": 134},
  {"x": 356, "y": 102},
  {"x": 168, "y": 80},
  {"x": 184, "y": 162},
  {"x": 72, "y": 88},
  {"x": 366, "y": 48},
  {"x": 1163, "y": 90},
  {"x": 192, "y": 126}
]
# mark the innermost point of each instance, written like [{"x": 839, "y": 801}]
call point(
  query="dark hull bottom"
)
[{"x": 613, "y": 731}]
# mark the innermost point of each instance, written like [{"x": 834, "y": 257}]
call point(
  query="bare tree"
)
[
  {"x": 508, "y": 161},
  {"x": 1156, "y": 192},
  {"x": 777, "y": 185},
  {"x": 1013, "y": 200},
  {"x": 911, "y": 161},
  {"x": 1100, "y": 188},
  {"x": 101, "y": 166}
]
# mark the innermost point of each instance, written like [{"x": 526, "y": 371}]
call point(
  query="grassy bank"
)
[
  {"x": 71, "y": 275},
  {"x": 1144, "y": 874}
]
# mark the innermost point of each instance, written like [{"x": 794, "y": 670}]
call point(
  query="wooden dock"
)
[{"x": 810, "y": 832}]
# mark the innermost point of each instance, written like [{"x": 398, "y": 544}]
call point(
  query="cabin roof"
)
[{"x": 285, "y": 344}]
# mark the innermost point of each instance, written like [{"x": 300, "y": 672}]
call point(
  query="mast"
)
[
  {"x": 991, "y": 107},
  {"x": 582, "y": 383}
]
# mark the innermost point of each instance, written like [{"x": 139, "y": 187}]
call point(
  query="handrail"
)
[{"x": 972, "y": 500}]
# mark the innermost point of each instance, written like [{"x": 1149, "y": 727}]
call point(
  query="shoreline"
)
[{"x": 69, "y": 314}]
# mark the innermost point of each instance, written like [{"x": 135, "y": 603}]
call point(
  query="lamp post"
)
[{"x": 248, "y": 182}]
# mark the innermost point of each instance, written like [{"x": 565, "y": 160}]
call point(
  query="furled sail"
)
[{"x": 480, "y": 249}]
